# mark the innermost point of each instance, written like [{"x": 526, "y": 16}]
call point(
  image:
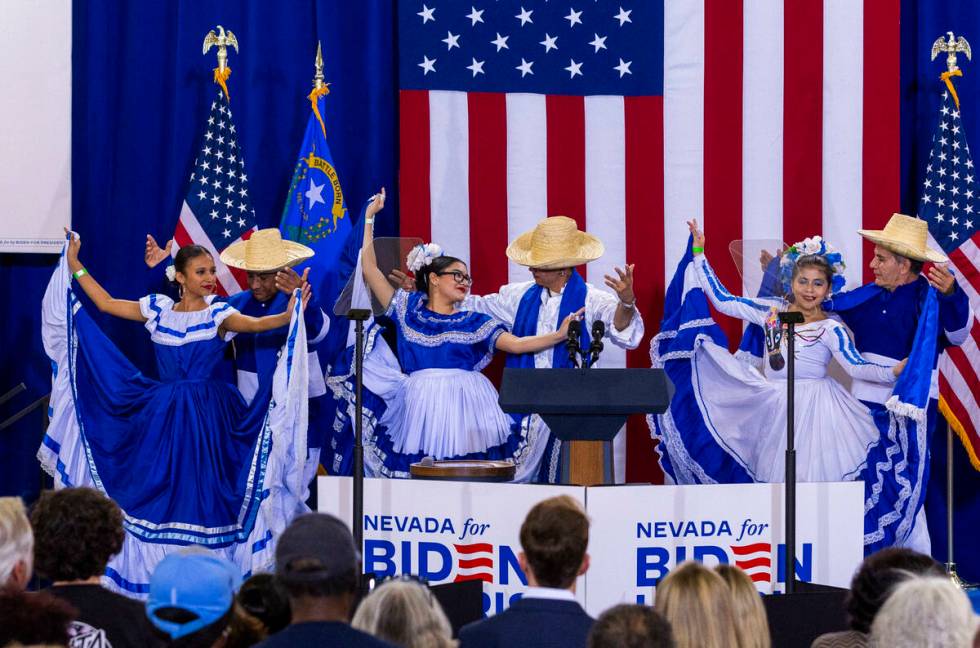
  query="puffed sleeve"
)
[
  {"x": 220, "y": 311},
  {"x": 152, "y": 307}
]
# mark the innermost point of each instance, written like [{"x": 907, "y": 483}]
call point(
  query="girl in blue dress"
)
[
  {"x": 187, "y": 460},
  {"x": 431, "y": 400}
]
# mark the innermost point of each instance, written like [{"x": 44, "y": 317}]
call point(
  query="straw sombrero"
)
[
  {"x": 906, "y": 236},
  {"x": 555, "y": 242},
  {"x": 265, "y": 251}
]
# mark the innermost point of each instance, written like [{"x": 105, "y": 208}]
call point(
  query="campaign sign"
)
[
  {"x": 640, "y": 533},
  {"x": 445, "y": 532}
]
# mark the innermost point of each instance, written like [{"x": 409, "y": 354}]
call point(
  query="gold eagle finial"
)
[
  {"x": 222, "y": 40},
  {"x": 951, "y": 46}
]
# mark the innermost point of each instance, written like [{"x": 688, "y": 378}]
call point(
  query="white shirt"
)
[
  {"x": 599, "y": 305},
  {"x": 549, "y": 593}
]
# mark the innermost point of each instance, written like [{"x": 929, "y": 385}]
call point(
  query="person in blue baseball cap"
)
[{"x": 192, "y": 597}]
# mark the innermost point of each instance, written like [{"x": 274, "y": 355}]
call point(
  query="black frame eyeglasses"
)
[{"x": 458, "y": 275}]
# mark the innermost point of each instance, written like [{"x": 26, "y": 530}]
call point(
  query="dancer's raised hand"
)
[
  {"x": 623, "y": 284},
  {"x": 377, "y": 204},
  {"x": 154, "y": 254},
  {"x": 71, "y": 254},
  {"x": 697, "y": 236}
]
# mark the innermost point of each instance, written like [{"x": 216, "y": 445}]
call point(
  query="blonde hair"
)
[
  {"x": 751, "y": 623},
  {"x": 405, "y": 613},
  {"x": 16, "y": 538},
  {"x": 699, "y": 607},
  {"x": 925, "y": 611}
]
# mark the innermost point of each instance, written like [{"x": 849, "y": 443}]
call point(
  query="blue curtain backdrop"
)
[
  {"x": 922, "y": 22},
  {"x": 140, "y": 93}
]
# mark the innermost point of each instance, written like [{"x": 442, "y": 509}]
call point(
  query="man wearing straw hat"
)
[
  {"x": 884, "y": 317},
  {"x": 551, "y": 251}
]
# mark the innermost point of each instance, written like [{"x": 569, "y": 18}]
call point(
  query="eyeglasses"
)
[{"x": 459, "y": 276}]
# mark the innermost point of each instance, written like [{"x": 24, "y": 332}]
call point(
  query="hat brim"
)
[
  {"x": 234, "y": 256},
  {"x": 880, "y": 237},
  {"x": 585, "y": 248}
]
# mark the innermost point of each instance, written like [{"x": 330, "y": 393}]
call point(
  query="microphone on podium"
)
[
  {"x": 598, "y": 330},
  {"x": 573, "y": 344}
]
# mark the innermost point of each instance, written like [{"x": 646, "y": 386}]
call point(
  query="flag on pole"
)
[
  {"x": 217, "y": 210},
  {"x": 949, "y": 204},
  {"x": 315, "y": 213}
]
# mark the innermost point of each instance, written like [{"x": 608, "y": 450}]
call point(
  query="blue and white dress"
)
[
  {"x": 431, "y": 400},
  {"x": 727, "y": 420},
  {"x": 186, "y": 459}
]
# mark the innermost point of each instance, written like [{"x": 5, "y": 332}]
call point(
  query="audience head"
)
[
  {"x": 699, "y": 607},
  {"x": 16, "y": 544},
  {"x": 404, "y": 612},
  {"x": 631, "y": 626},
  {"x": 316, "y": 559},
  {"x": 751, "y": 623},
  {"x": 34, "y": 619},
  {"x": 925, "y": 611},
  {"x": 76, "y": 532},
  {"x": 265, "y": 598},
  {"x": 554, "y": 537},
  {"x": 875, "y": 578},
  {"x": 192, "y": 595}
]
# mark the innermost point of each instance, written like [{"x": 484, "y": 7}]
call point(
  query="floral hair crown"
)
[
  {"x": 422, "y": 255},
  {"x": 813, "y": 246}
]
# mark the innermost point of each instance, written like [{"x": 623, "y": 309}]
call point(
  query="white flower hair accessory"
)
[
  {"x": 422, "y": 255},
  {"x": 171, "y": 273},
  {"x": 814, "y": 245}
]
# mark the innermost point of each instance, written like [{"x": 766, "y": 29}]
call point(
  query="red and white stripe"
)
[
  {"x": 474, "y": 562},
  {"x": 756, "y": 561},
  {"x": 959, "y": 376},
  {"x": 778, "y": 121},
  {"x": 190, "y": 232}
]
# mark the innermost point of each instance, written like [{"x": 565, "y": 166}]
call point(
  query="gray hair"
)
[
  {"x": 405, "y": 613},
  {"x": 925, "y": 612},
  {"x": 16, "y": 538}
]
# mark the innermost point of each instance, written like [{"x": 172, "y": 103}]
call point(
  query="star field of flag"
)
[
  {"x": 586, "y": 47},
  {"x": 949, "y": 191},
  {"x": 218, "y": 188}
]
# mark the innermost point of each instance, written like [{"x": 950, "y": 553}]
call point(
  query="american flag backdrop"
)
[
  {"x": 217, "y": 210},
  {"x": 950, "y": 203},
  {"x": 766, "y": 120}
]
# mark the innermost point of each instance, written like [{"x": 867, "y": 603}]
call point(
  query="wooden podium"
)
[{"x": 585, "y": 408}]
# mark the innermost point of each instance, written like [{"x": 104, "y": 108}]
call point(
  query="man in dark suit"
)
[{"x": 554, "y": 539}]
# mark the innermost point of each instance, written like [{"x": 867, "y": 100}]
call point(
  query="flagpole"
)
[{"x": 950, "y": 47}]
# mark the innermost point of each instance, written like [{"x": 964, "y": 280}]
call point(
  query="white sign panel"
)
[
  {"x": 640, "y": 533},
  {"x": 35, "y": 110},
  {"x": 445, "y": 531}
]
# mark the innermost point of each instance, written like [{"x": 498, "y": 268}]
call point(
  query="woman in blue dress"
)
[
  {"x": 431, "y": 400},
  {"x": 185, "y": 458}
]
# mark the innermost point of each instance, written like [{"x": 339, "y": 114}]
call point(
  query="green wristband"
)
[
  {"x": 697, "y": 250},
  {"x": 81, "y": 273}
]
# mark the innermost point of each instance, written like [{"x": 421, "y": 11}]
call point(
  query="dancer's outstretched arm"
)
[
  {"x": 534, "y": 343},
  {"x": 124, "y": 308},
  {"x": 247, "y": 324},
  {"x": 751, "y": 310},
  {"x": 373, "y": 276}
]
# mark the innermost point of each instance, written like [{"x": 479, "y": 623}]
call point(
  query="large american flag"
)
[
  {"x": 951, "y": 205},
  {"x": 217, "y": 210},
  {"x": 766, "y": 120}
]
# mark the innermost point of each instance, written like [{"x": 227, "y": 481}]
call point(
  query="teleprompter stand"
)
[{"x": 589, "y": 405}]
